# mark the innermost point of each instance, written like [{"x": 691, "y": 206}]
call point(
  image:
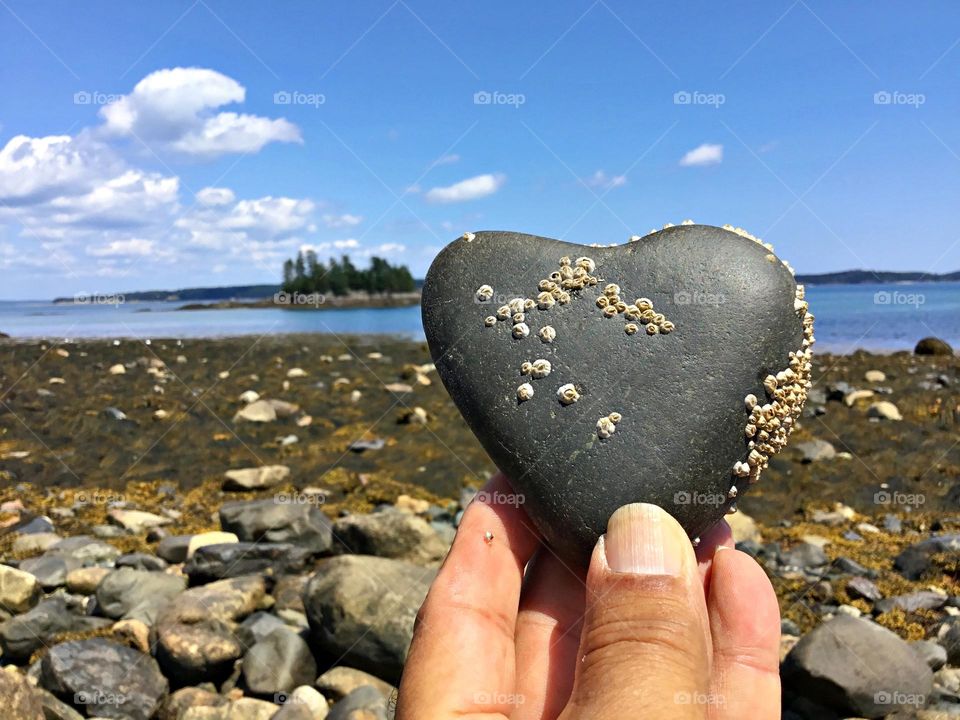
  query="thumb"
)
[{"x": 644, "y": 650}]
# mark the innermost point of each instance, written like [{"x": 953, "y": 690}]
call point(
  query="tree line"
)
[{"x": 307, "y": 274}]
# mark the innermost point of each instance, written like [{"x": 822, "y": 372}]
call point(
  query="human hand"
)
[{"x": 654, "y": 630}]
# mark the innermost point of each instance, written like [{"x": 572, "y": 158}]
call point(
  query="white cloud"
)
[
  {"x": 340, "y": 221},
  {"x": 600, "y": 180},
  {"x": 174, "y": 108},
  {"x": 705, "y": 154},
  {"x": 124, "y": 248},
  {"x": 215, "y": 196},
  {"x": 469, "y": 189}
]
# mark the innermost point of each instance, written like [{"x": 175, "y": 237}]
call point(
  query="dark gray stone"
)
[
  {"x": 389, "y": 533},
  {"x": 365, "y": 702},
  {"x": 50, "y": 570},
  {"x": 87, "y": 550},
  {"x": 269, "y": 520},
  {"x": 34, "y": 526},
  {"x": 951, "y": 642},
  {"x": 857, "y": 667},
  {"x": 681, "y": 394},
  {"x": 860, "y": 587},
  {"x": 141, "y": 561},
  {"x": 914, "y": 561},
  {"x": 279, "y": 663},
  {"x": 256, "y": 627},
  {"x": 196, "y": 653},
  {"x": 173, "y": 548},
  {"x": 933, "y": 346},
  {"x": 362, "y": 609},
  {"x": 920, "y": 600},
  {"x": 107, "y": 680},
  {"x": 216, "y": 562},
  {"x": 22, "y": 635},
  {"x": 804, "y": 555}
]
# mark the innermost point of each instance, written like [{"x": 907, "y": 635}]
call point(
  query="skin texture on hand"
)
[{"x": 652, "y": 630}]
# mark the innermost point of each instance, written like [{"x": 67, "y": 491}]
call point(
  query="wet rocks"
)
[
  {"x": 22, "y": 635},
  {"x": 258, "y": 411},
  {"x": 933, "y": 346},
  {"x": 855, "y": 666},
  {"x": 389, "y": 533},
  {"x": 105, "y": 679},
  {"x": 338, "y": 682},
  {"x": 19, "y": 590},
  {"x": 278, "y": 663},
  {"x": 301, "y": 524},
  {"x": 257, "y": 478},
  {"x": 362, "y": 609},
  {"x": 190, "y": 654},
  {"x": 137, "y": 594}
]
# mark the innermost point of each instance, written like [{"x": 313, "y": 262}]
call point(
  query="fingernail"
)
[{"x": 641, "y": 539}]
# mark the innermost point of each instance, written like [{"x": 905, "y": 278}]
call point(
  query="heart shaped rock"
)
[{"x": 666, "y": 370}]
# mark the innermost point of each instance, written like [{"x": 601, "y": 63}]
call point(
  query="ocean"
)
[{"x": 879, "y": 318}]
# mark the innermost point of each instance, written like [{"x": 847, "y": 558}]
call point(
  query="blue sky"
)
[{"x": 160, "y": 145}]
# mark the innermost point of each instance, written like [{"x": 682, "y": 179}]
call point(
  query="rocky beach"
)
[{"x": 244, "y": 528}]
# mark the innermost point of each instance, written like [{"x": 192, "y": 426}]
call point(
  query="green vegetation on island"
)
[{"x": 306, "y": 274}]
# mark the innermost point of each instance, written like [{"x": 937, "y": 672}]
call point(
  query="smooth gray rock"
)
[
  {"x": 269, "y": 520},
  {"x": 911, "y": 602},
  {"x": 389, "y": 533},
  {"x": 190, "y": 654},
  {"x": 173, "y": 548},
  {"x": 216, "y": 562},
  {"x": 107, "y": 680},
  {"x": 256, "y": 627},
  {"x": 362, "y": 610},
  {"x": 278, "y": 663},
  {"x": 933, "y": 654},
  {"x": 22, "y": 635},
  {"x": 860, "y": 587},
  {"x": 816, "y": 450},
  {"x": 365, "y": 702},
  {"x": 50, "y": 570},
  {"x": 951, "y": 642},
  {"x": 87, "y": 550},
  {"x": 933, "y": 346},
  {"x": 915, "y": 560},
  {"x": 141, "y": 561},
  {"x": 681, "y": 395},
  {"x": 137, "y": 594},
  {"x": 805, "y": 555},
  {"x": 857, "y": 667}
]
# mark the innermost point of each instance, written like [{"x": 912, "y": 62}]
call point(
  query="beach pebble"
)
[
  {"x": 195, "y": 542},
  {"x": 416, "y": 416},
  {"x": 861, "y": 587},
  {"x": 365, "y": 702},
  {"x": 87, "y": 671},
  {"x": 194, "y": 653},
  {"x": 136, "y": 521},
  {"x": 338, "y": 682},
  {"x": 301, "y": 524},
  {"x": 376, "y": 601},
  {"x": 815, "y": 450},
  {"x": 24, "y": 634},
  {"x": 911, "y": 602},
  {"x": 249, "y": 396},
  {"x": 19, "y": 590},
  {"x": 389, "y": 533},
  {"x": 884, "y": 410},
  {"x": 255, "y": 478},
  {"x": 228, "y": 560},
  {"x": 84, "y": 580},
  {"x": 875, "y": 376},
  {"x": 296, "y": 373},
  {"x": 137, "y": 594},
  {"x": 804, "y": 555},
  {"x": 258, "y": 411},
  {"x": 398, "y": 387},
  {"x": 278, "y": 663},
  {"x": 853, "y": 397},
  {"x": 861, "y": 681},
  {"x": 117, "y": 369},
  {"x": 50, "y": 570}
]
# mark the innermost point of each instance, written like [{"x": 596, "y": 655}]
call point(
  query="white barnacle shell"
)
[
  {"x": 567, "y": 394},
  {"x": 524, "y": 392},
  {"x": 518, "y": 318},
  {"x": 630, "y": 328},
  {"x": 652, "y": 329},
  {"x": 741, "y": 469},
  {"x": 484, "y": 293},
  {"x": 545, "y": 300},
  {"x": 469, "y": 236},
  {"x": 587, "y": 264},
  {"x": 732, "y": 492},
  {"x": 605, "y": 428},
  {"x": 540, "y": 368},
  {"x": 528, "y": 304},
  {"x": 503, "y": 312},
  {"x": 644, "y": 304},
  {"x": 750, "y": 401},
  {"x": 611, "y": 290},
  {"x": 667, "y": 327},
  {"x": 525, "y": 368},
  {"x": 547, "y": 334},
  {"x": 516, "y": 305},
  {"x": 615, "y": 417},
  {"x": 520, "y": 330},
  {"x": 490, "y": 321}
]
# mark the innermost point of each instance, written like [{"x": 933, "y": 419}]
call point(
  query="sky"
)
[{"x": 181, "y": 144}]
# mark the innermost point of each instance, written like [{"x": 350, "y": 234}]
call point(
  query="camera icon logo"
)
[{"x": 482, "y": 97}]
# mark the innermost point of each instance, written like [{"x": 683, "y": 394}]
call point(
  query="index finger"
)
[{"x": 462, "y": 659}]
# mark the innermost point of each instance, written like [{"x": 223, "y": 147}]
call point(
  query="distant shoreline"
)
[{"x": 287, "y": 301}]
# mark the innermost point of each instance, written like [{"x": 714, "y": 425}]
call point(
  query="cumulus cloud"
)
[
  {"x": 705, "y": 154},
  {"x": 175, "y": 108},
  {"x": 600, "y": 179},
  {"x": 469, "y": 189},
  {"x": 215, "y": 196},
  {"x": 124, "y": 248}
]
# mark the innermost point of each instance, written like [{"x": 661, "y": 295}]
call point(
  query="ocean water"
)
[{"x": 880, "y": 318}]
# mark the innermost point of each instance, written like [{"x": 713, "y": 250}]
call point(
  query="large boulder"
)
[
  {"x": 271, "y": 520},
  {"x": 933, "y": 346},
  {"x": 390, "y": 534},
  {"x": 229, "y": 601},
  {"x": 105, "y": 679},
  {"x": 362, "y": 609},
  {"x": 278, "y": 663},
  {"x": 190, "y": 654},
  {"x": 857, "y": 667}
]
